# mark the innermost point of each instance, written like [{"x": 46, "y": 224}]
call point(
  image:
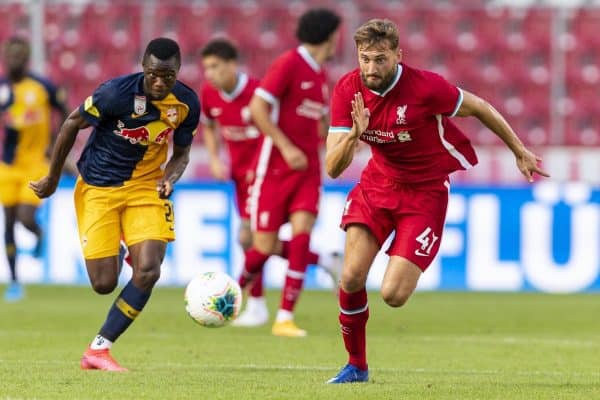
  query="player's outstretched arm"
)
[
  {"x": 173, "y": 171},
  {"x": 342, "y": 146},
  {"x": 64, "y": 143},
  {"x": 212, "y": 145},
  {"x": 527, "y": 162}
]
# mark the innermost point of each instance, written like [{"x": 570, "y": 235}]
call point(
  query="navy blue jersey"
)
[{"x": 131, "y": 132}]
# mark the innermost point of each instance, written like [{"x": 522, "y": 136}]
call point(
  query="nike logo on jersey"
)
[
  {"x": 135, "y": 116},
  {"x": 305, "y": 85}
]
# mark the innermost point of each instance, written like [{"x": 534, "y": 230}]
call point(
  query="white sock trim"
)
[
  {"x": 355, "y": 311},
  {"x": 100, "y": 343},
  {"x": 256, "y": 302},
  {"x": 284, "y": 315},
  {"x": 295, "y": 274}
]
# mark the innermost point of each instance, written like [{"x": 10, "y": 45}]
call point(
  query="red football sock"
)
[
  {"x": 311, "y": 258},
  {"x": 294, "y": 279},
  {"x": 253, "y": 264},
  {"x": 354, "y": 313},
  {"x": 256, "y": 287}
]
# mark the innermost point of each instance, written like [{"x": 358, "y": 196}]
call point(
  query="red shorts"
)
[
  {"x": 415, "y": 212},
  {"x": 275, "y": 197}
]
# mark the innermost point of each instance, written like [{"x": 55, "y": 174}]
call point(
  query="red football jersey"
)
[
  {"x": 296, "y": 87},
  {"x": 231, "y": 112},
  {"x": 410, "y": 133}
]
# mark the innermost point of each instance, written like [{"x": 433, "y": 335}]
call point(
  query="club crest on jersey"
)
[
  {"x": 215, "y": 112},
  {"x": 245, "y": 114},
  {"x": 401, "y": 113},
  {"x": 139, "y": 104},
  {"x": 172, "y": 115}
]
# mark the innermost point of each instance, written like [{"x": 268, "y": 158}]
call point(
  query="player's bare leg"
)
[
  {"x": 399, "y": 282},
  {"x": 147, "y": 258},
  {"x": 360, "y": 251},
  {"x": 26, "y": 215}
]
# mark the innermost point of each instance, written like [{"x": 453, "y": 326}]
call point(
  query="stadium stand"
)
[{"x": 506, "y": 51}]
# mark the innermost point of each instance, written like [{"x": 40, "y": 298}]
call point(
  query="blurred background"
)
[{"x": 536, "y": 61}]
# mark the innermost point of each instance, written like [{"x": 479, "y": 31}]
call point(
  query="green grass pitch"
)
[{"x": 439, "y": 346}]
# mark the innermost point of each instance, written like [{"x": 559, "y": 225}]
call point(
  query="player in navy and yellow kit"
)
[
  {"x": 122, "y": 190},
  {"x": 26, "y": 104}
]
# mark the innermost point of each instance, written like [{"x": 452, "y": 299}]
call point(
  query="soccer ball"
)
[{"x": 213, "y": 299}]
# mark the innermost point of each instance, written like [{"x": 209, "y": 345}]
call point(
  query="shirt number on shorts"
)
[
  {"x": 427, "y": 239},
  {"x": 169, "y": 217}
]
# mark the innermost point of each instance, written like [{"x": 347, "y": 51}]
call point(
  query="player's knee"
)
[
  {"x": 394, "y": 298},
  {"x": 264, "y": 247},
  {"x": 147, "y": 275},
  {"x": 351, "y": 283},
  {"x": 105, "y": 286},
  {"x": 245, "y": 240},
  {"x": 27, "y": 220}
]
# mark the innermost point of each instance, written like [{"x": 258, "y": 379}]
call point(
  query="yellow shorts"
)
[
  {"x": 14, "y": 181},
  {"x": 135, "y": 211}
]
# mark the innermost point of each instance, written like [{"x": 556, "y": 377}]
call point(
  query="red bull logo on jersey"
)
[
  {"x": 172, "y": 115},
  {"x": 154, "y": 132}
]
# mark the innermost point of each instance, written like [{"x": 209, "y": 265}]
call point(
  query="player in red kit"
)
[
  {"x": 404, "y": 114},
  {"x": 288, "y": 107},
  {"x": 225, "y": 99}
]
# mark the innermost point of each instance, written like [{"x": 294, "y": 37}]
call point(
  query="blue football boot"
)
[
  {"x": 350, "y": 374},
  {"x": 14, "y": 292}
]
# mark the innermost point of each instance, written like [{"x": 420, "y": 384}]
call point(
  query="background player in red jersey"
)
[
  {"x": 288, "y": 107},
  {"x": 225, "y": 98},
  {"x": 404, "y": 115}
]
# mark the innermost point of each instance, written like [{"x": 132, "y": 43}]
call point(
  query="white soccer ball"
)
[{"x": 213, "y": 299}]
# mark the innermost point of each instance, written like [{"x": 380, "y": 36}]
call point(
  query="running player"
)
[
  {"x": 225, "y": 113},
  {"x": 26, "y": 104},
  {"x": 288, "y": 174},
  {"x": 122, "y": 190},
  {"x": 404, "y": 114}
]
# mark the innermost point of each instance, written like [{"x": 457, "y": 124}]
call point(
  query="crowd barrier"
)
[{"x": 543, "y": 237}]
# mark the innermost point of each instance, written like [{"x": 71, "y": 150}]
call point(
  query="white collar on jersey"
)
[
  {"x": 394, "y": 82},
  {"x": 308, "y": 58},
  {"x": 242, "y": 81}
]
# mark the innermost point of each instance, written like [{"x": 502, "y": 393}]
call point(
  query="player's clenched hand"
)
[
  {"x": 294, "y": 157},
  {"x": 360, "y": 115},
  {"x": 527, "y": 163},
  {"x": 164, "y": 187},
  {"x": 218, "y": 170},
  {"x": 44, "y": 187}
]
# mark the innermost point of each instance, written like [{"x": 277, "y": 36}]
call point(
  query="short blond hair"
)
[{"x": 376, "y": 31}]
